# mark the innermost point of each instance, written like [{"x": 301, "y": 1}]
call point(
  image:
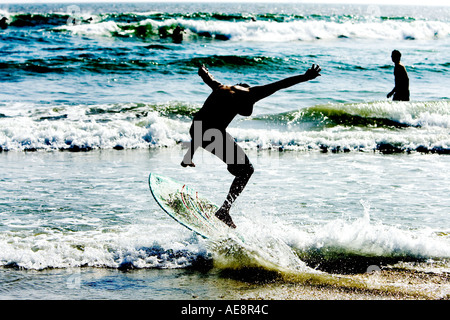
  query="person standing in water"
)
[
  {"x": 3, "y": 23},
  {"x": 401, "y": 89},
  {"x": 208, "y": 129}
]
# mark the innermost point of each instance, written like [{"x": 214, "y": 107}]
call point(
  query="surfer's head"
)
[{"x": 396, "y": 55}]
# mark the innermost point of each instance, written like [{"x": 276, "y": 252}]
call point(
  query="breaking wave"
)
[
  {"x": 237, "y": 26},
  {"x": 387, "y": 127},
  {"x": 344, "y": 247}
]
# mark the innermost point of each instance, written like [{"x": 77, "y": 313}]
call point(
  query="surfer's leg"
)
[
  {"x": 239, "y": 165},
  {"x": 236, "y": 188}
]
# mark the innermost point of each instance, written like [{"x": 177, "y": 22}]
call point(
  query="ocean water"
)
[{"x": 350, "y": 197}]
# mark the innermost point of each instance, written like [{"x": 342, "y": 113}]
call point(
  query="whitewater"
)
[{"x": 402, "y": 127}]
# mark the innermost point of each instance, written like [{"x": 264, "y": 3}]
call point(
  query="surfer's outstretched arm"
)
[
  {"x": 208, "y": 78},
  {"x": 261, "y": 92}
]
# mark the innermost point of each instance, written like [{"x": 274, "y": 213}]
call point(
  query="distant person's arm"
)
[
  {"x": 390, "y": 94},
  {"x": 401, "y": 80},
  {"x": 208, "y": 78},
  {"x": 261, "y": 92}
]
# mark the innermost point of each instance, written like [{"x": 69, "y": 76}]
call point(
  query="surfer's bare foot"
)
[
  {"x": 223, "y": 215},
  {"x": 187, "y": 164}
]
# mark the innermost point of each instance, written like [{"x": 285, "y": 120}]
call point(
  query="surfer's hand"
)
[
  {"x": 184, "y": 165},
  {"x": 313, "y": 72},
  {"x": 202, "y": 70},
  {"x": 390, "y": 94}
]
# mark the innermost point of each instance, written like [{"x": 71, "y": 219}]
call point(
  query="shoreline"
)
[
  {"x": 111, "y": 284},
  {"x": 388, "y": 284}
]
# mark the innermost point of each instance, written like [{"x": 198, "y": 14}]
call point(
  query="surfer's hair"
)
[{"x": 396, "y": 55}]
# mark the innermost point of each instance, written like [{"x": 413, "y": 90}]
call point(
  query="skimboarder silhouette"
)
[{"x": 209, "y": 126}]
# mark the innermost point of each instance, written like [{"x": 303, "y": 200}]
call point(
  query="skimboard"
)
[{"x": 187, "y": 206}]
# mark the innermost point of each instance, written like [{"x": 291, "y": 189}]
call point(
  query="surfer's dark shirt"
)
[
  {"x": 223, "y": 105},
  {"x": 401, "y": 83}
]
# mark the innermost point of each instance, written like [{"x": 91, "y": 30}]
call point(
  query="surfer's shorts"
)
[{"x": 222, "y": 145}]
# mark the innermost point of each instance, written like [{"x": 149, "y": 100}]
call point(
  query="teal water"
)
[{"x": 344, "y": 180}]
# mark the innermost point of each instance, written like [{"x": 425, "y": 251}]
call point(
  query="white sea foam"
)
[
  {"x": 303, "y": 30},
  {"x": 367, "y": 238},
  {"x": 72, "y": 127},
  {"x": 132, "y": 245},
  {"x": 136, "y": 246},
  {"x": 96, "y": 29},
  {"x": 76, "y": 129},
  {"x": 340, "y": 138},
  {"x": 307, "y": 30}
]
